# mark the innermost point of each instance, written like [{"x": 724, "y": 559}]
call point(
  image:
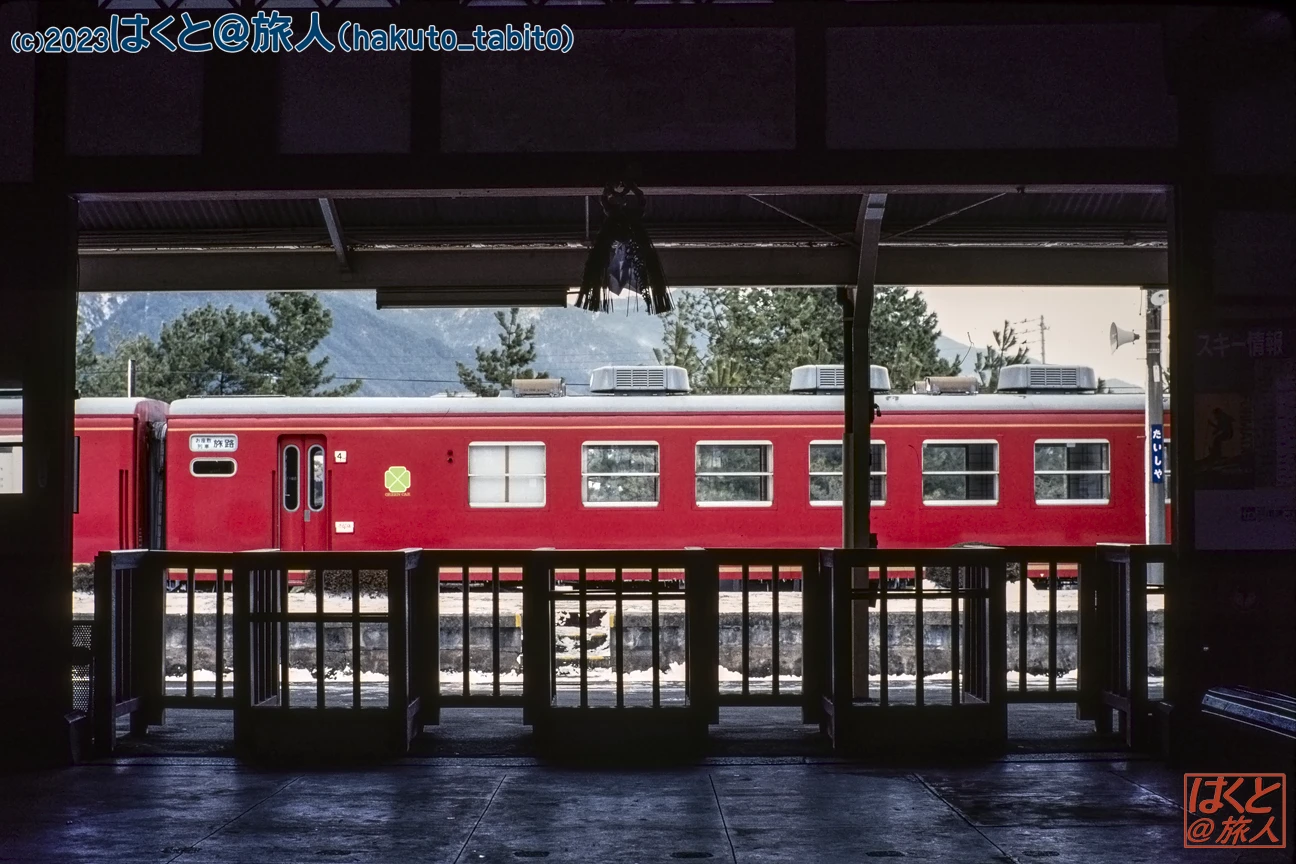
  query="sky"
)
[{"x": 1078, "y": 322}]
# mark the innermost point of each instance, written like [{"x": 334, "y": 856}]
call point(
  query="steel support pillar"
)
[
  {"x": 858, "y": 312},
  {"x": 38, "y": 294}
]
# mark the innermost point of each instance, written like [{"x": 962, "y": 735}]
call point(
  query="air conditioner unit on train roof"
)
[
  {"x": 629, "y": 380},
  {"x": 1041, "y": 378},
  {"x": 831, "y": 378}
]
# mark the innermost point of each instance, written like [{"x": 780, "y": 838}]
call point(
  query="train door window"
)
[
  {"x": 76, "y": 474},
  {"x": 317, "y": 470},
  {"x": 734, "y": 473},
  {"x": 1072, "y": 472},
  {"x": 291, "y": 478},
  {"x": 506, "y": 475},
  {"x": 620, "y": 474},
  {"x": 11, "y": 467},
  {"x": 960, "y": 472},
  {"x": 827, "y": 465}
]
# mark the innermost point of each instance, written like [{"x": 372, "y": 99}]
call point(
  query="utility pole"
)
[
  {"x": 130, "y": 378},
  {"x": 1155, "y": 417},
  {"x": 1027, "y": 333}
]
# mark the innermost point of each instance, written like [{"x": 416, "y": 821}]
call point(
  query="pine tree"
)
[
  {"x": 209, "y": 352},
  {"x": 88, "y": 374},
  {"x": 679, "y": 330},
  {"x": 755, "y": 337},
  {"x": 1004, "y": 352},
  {"x": 296, "y": 325},
  {"x": 498, "y": 367},
  {"x": 902, "y": 337},
  {"x": 219, "y": 352}
]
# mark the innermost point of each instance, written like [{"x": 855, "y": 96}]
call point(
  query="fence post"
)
[
  {"x": 148, "y": 643},
  {"x": 1088, "y": 636},
  {"x": 702, "y": 607},
  {"x": 241, "y": 661},
  {"x": 104, "y": 643},
  {"x": 1135, "y": 595},
  {"x": 816, "y": 633},
  {"x": 843, "y": 659},
  {"x": 997, "y": 644},
  {"x": 398, "y": 658},
  {"x": 537, "y": 638},
  {"x": 425, "y": 641}
]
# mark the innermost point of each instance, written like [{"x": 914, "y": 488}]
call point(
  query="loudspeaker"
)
[{"x": 1121, "y": 337}]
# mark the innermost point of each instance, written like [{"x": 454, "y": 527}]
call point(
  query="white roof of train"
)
[
  {"x": 441, "y": 405},
  {"x": 105, "y": 405}
]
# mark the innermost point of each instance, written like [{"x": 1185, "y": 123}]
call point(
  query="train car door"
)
[{"x": 303, "y": 494}]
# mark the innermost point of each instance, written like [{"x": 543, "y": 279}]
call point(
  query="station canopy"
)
[{"x": 533, "y": 246}]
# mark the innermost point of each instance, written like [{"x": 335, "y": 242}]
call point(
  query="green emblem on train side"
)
[{"x": 397, "y": 479}]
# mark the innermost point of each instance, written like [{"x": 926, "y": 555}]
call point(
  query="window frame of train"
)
[
  {"x": 507, "y": 478},
  {"x": 877, "y": 455},
  {"x": 586, "y": 474},
  {"x": 1066, "y": 473},
  {"x": 285, "y": 489},
  {"x": 963, "y": 472},
  {"x": 207, "y": 460},
  {"x": 764, "y": 476},
  {"x": 317, "y": 479}
]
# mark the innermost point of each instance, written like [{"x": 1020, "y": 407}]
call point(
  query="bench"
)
[{"x": 1251, "y": 728}]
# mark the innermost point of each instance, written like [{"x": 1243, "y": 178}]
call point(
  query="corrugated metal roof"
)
[{"x": 1015, "y": 218}]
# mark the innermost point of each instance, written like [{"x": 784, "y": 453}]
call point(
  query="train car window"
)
[
  {"x": 826, "y": 466},
  {"x": 734, "y": 473},
  {"x": 316, "y": 478},
  {"x": 213, "y": 467},
  {"x": 506, "y": 474},
  {"x": 76, "y": 474},
  {"x": 291, "y": 478},
  {"x": 11, "y": 468},
  {"x": 960, "y": 472},
  {"x": 624, "y": 474},
  {"x": 1072, "y": 471}
]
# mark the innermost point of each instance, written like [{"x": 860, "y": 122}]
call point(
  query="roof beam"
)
[
  {"x": 316, "y": 269},
  {"x": 334, "y": 225}
]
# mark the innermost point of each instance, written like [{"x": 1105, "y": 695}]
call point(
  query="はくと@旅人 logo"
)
[{"x": 1235, "y": 810}]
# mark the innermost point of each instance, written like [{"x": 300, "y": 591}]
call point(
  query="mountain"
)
[
  {"x": 404, "y": 352},
  {"x": 412, "y": 352}
]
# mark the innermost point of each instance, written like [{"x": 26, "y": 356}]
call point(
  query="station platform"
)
[{"x": 743, "y": 809}]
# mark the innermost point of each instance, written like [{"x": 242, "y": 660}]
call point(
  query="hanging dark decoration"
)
[{"x": 623, "y": 258}]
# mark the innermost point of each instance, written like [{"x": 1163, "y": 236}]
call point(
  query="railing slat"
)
[
  {"x": 919, "y": 638},
  {"x": 775, "y": 660},
  {"x": 190, "y": 586},
  {"x": 1052, "y": 634},
  {"x": 356, "y": 694},
  {"x": 321, "y": 698}
]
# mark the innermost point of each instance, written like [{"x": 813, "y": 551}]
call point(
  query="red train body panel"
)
[
  {"x": 118, "y": 472},
  {"x": 226, "y": 491},
  {"x": 427, "y": 442}
]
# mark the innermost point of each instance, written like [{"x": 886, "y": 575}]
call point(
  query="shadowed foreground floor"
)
[{"x": 193, "y": 809}]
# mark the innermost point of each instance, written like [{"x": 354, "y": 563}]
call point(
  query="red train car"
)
[
  {"x": 632, "y": 470},
  {"x": 118, "y": 470}
]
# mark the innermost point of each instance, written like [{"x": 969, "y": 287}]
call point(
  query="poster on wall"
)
[{"x": 1244, "y": 424}]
